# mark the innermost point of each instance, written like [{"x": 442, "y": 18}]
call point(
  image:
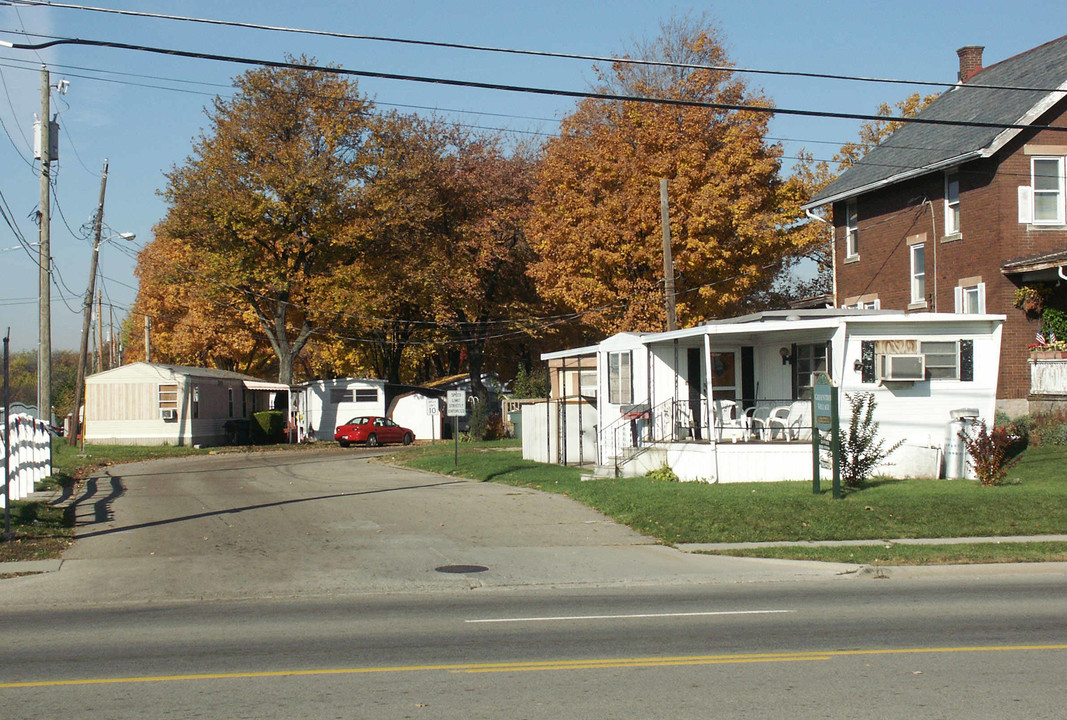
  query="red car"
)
[{"x": 373, "y": 431}]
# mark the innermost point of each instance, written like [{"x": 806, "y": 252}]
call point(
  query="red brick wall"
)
[{"x": 990, "y": 236}]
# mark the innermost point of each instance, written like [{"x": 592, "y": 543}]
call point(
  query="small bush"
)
[
  {"x": 268, "y": 427},
  {"x": 861, "y": 448},
  {"x": 1049, "y": 428},
  {"x": 494, "y": 428},
  {"x": 664, "y": 473},
  {"x": 989, "y": 452},
  {"x": 479, "y": 419}
]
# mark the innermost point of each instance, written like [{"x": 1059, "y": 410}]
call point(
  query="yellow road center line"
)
[{"x": 528, "y": 666}]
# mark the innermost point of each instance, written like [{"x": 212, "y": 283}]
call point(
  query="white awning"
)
[{"x": 264, "y": 385}]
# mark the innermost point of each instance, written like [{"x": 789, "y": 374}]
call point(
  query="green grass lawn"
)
[{"x": 1035, "y": 503}]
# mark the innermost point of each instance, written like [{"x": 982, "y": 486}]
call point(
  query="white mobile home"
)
[
  {"x": 730, "y": 400},
  {"x": 322, "y": 405},
  {"x": 156, "y": 404}
]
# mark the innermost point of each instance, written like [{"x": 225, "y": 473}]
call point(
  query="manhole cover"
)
[{"x": 461, "y": 569}]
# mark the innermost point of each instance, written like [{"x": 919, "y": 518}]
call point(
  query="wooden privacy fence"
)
[{"x": 30, "y": 457}]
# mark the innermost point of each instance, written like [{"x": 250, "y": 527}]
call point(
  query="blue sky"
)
[{"x": 142, "y": 111}]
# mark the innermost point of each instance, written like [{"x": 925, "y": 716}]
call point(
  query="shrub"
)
[
  {"x": 479, "y": 419},
  {"x": 664, "y": 473},
  {"x": 861, "y": 448},
  {"x": 533, "y": 384},
  {"x": 1049, "y": 428},
  {"x": 989, "y": 452},
  {"x": 1054, "y": 324},
  {"x": 268, "y": 427},
  {"x": 494, "y": 428}
]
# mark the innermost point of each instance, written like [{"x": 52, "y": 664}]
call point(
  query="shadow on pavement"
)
[{"x": 116, "y": 482}]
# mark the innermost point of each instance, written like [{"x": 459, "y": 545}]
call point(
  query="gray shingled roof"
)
[{"x": 916, "y": 148}]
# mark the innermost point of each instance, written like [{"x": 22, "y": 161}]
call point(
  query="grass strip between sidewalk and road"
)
[{"x": 1034, "y": 503}]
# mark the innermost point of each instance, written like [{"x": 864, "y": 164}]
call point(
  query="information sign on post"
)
[
  {"x": 457, "y": 403},
  {"x": 457, "y": 408},
  {"x": 826, "y": 430}
]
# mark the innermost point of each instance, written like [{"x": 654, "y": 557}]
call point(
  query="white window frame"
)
[
  {"x": 1057, "y": 193},
  {"x": 852, "y": 231},
  {"x": 918, "y": 274},
  {"x": 970, "y": 299},
  {"x": 937, "y": 355},
  {"x": 952, "y": 203},
  {"x": 620, "y": 377}
]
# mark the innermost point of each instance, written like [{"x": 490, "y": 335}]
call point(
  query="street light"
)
[{"x": 79, "y": 385}]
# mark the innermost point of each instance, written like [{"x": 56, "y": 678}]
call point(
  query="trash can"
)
[
  {"x": 957, "y": 462},
  {"x": 516, "y": 421}
]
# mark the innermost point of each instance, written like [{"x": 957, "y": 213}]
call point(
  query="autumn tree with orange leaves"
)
[
  {"x": 260, "y": 208},
  {"x": 596, "y": 220}
]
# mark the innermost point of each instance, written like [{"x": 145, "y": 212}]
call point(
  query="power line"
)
[
  {"x": 503, "y": 87},
  {"x": 517, "y": 51}
]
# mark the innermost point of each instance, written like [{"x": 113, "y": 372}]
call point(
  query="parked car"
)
[{"x": 372, "y": 431}]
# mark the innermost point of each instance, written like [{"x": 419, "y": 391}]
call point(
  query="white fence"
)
[{"x": 31, "y": 455}]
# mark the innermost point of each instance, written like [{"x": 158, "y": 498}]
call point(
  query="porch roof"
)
[
  {"x": 791, "y": 321},
  {"x": 571, "y": 353}
]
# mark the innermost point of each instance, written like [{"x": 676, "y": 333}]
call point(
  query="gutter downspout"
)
[
  {"x": 1059, "y": 271},
  {"x": 934, "y": 242},
  {"x": 833, "y": 252}
]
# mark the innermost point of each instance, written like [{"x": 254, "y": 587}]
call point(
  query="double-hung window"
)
[
  {"x": 852, "y": 222},
  {"x": 942, "y": 360},
  {"x": 620, "y": 378},
  {"x": 918, "y": 273},
  {"x": 952, "y": 203},
  {"x": 1047, "y": 180},
  {"x": 970, "y": 297}
]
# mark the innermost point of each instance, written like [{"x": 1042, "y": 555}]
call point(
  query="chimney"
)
[{"x": 970, "y": 61}]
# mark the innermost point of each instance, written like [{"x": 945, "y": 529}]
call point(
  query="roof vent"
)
[{"x": 970, "y": 61}]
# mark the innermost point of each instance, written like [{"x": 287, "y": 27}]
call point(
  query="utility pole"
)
[
  {"x": 147, "y": 340},
  {"x": 668, "y": 262},
  {"x": 111, "y": 336},
  {"x": 79, "y": 382},
  {"x": 44, "y": 345},
  {"x": 99, "y": 331}
]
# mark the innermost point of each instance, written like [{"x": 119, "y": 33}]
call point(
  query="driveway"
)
[{"x": 326, "y": 523}]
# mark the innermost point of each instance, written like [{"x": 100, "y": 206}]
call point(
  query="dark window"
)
[
  {"x": 370, "y": 395},
  {"x": 340, "y": 396},
  {"x": 808, "y": 360}
]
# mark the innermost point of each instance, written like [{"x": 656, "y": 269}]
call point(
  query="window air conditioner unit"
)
[
  {"x": 902, "y": 367},
  {"x": 169, "y": 413}
]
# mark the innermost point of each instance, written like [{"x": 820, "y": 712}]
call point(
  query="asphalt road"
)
[{"x": 308, "y": 587}]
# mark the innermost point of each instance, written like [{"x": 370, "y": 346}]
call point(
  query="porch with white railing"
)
[
  {"x": 1048, "y": 381},
  {"x": 764, "y": 439}
]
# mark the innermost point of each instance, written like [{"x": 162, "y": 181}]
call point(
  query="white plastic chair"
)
[{"x": 794, "y": 424}]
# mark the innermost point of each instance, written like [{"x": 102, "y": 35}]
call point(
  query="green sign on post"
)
[{"x": 825, "y": 421}]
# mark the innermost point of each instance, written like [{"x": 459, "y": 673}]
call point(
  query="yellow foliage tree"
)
[{"x": 596, "y": 219}]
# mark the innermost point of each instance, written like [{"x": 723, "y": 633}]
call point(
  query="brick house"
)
[{"x": 956, "y": 217}]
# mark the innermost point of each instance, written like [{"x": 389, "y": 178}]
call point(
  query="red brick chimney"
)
[{"x": 970, "y": 61}]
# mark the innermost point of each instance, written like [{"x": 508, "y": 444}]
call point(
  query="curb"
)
[{"x": 698, "y": 547}]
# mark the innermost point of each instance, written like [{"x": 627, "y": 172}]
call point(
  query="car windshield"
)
[{"x": 358, "y": 421}]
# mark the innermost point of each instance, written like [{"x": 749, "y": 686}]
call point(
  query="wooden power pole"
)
[{"x": 668, "y": 261}]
